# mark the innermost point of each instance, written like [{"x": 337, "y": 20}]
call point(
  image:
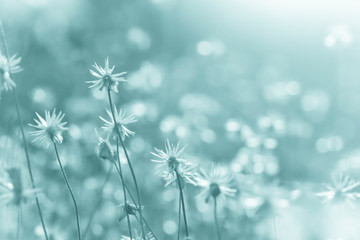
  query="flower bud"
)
[{"x": 104, "y": 151}]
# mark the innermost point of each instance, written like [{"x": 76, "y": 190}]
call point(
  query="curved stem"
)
[
  {"x": 130, "y": 165},
  {"x": 70, "y": 191},
  {"x": 24, "y": 138},
  {"x": 123, "y": 184},
  {"x": 182, "y": 202},
  {"x": 216, "y": 220},
  {"x": 134, "y": 202},
  {"x": 92, "y": 215},
  {"x": 179, "y": 220}
]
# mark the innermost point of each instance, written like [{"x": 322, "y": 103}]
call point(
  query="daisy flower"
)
[
  {"x": 217, "y": 184},
  {"x": 105, "y": 77},
  {"x": 49, "y": 129},
  {"x": 121, "y": 121},
  {"x": 6, "y": 69},
  {"x": 343, "y": 188},
  {"x": 170, "y": 161}
]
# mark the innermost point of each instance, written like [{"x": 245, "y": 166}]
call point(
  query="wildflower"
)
[
  {"x": 12, "y": 191},
  {"x": 104, "y": 150},
  {"x": 127, "y": 209},
  {"x": 343, "y": 188},
  {"x": 149, "y": 236},
  {"x": 217, "y": 184},
  {"x": 50, "y": 128},
  {"x": 6, "y": 69},
  {"x": 121, "y": 121},
  {"x": 106, "y": 78},
  {"x": 171, "y": 162}
]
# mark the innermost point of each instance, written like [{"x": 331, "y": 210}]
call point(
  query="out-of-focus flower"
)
[
  {"x": 6, "y": 69},
  {"x": 106, "y": 78},
  {"x": 342, "y": 189},
  {"x": 50, "y": 128},
  {"x": 171, "y": 162},
  {"x": 265, "y": 200},
  {"x": 121, "y": 121},
  {"x": 339, "y": 35},
  {"x": 216, "y": 184},
  {"x": 13, "y": 191}
]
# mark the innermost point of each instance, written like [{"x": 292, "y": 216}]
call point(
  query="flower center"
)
[
  {"x": 107, "y": 81},
  {"x": 173, "y": 163},
  {"x": 215, "y": 190},
  {"x": 51, "y": 131}
]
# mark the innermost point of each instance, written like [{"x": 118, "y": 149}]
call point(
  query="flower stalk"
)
[
  {"x": 70, "y": 191},
  {"x": 216, "y": 220},
  {"x": 129, "y": 162},
  {"x": 182, "y": 203},
  {"x": 27, "y": 155},
  {"x": 123, "y": 184}
]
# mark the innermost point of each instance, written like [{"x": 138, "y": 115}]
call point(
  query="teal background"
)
[{"x": 270, "y": 89}]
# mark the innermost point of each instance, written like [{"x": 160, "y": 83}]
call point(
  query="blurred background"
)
[{"x": 269, "y": 89}]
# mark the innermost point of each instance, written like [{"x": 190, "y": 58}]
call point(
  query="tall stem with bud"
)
[
  {"x": 129, "y": 162},
  {"x": 123, "y": 185}
]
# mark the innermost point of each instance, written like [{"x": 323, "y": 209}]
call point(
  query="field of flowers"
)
[{"x": 179, "y": 120}]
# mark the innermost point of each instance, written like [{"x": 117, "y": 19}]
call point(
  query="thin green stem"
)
[
  {"x": 92, "y": 215},
  {"x": 24, "y": 138},
  {"x": 123, "y": 184},
  {"x": 130, "y": 165},
  {"x": 179, "y": 220},
  {"x": 182, "y": 202},
  {"x": 216, "y": 220},
  {"x": 134, "y": 202},
  {"x": 70, "y": 191}
]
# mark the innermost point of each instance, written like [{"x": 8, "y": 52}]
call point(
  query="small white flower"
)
[
  {"x": 106, "y": 78},
  {"x": 217, "y": 184},
  {"x": 170, "y": 161},
  {"x": 49, "y": 129},
  {"x": 6, "y": 69},
  {"x": 137, "y": 236},
  {"x": 121, "y": 121},
  {"x": 343, "y": 188}
]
